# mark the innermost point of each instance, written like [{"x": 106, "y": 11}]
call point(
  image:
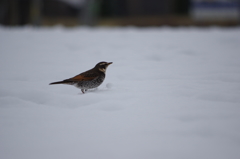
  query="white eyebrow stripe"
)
[{"x": 102, "y": 69}]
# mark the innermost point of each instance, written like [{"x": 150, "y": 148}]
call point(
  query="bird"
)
[{"x": 88, "y": 79}]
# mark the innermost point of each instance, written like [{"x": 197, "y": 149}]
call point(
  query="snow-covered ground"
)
[{"x": 171, "y": 93}]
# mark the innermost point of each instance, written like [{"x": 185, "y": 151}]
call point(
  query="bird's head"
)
[{"x": 102, "y": 66}]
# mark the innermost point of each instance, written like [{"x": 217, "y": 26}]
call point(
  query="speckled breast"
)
[{"x": 91, "y": 84}]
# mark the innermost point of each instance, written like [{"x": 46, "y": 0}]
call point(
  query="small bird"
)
[{"x": 89, "y": 79}]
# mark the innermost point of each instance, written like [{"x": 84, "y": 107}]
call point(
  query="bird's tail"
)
[{"x": 59, "y": 82}]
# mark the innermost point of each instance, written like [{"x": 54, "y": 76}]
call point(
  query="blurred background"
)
[{"x": 120, "y": 12}]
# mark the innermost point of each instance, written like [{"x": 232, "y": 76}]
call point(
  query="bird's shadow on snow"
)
[
  {"x": 73, "y": 101},
  {"x": 94, "y": 90}
]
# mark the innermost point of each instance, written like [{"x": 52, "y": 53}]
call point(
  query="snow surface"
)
[{"x": 171, "y": 93}]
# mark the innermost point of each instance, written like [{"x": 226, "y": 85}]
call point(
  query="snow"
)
[{"x": 170, "y": 93}]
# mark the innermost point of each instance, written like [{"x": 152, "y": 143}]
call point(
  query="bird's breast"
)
[{"x": 91, "y": 83}]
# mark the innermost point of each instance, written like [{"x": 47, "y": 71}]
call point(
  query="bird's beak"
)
[{"x": 109, "y": 63}]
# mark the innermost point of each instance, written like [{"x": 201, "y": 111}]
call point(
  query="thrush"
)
[{"x": 88, "y": 79}]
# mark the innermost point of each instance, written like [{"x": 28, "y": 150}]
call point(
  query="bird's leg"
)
[{"x": 82, "y": 91}]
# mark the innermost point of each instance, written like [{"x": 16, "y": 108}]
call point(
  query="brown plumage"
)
[{"x": 89, "y": 79}]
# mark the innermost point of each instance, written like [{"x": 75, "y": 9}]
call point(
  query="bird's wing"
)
[{"x": 84, "y": 77}]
